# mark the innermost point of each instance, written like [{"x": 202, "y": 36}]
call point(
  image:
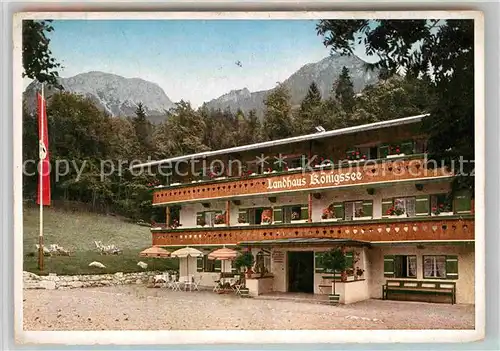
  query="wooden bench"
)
[{"x": 419, "y": 287}]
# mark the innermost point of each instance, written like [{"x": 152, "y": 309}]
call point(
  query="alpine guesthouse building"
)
[{"x": 368, "y": 189}]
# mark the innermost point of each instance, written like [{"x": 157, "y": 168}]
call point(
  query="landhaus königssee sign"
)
[{"x": 322, "y": 179}]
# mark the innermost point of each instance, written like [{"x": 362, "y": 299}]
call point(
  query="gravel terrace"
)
[{"x": 140, "y": 308}]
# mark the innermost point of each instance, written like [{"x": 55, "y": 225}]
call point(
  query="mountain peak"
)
[
  {"x": 324, "y": 73},
  {"x": 112, "y": 93}
]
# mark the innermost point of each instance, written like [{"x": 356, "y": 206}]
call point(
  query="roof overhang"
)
[{"x": 300, "y": 138}]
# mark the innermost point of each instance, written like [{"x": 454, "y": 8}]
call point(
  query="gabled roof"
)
[{"x": 307, "y": 137}]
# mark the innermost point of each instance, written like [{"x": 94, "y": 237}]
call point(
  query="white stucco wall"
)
[
  {"x": 189, "y": 210},
  {"x": 464, "y": 284}
]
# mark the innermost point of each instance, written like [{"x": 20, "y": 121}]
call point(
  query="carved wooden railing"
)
[
  {"x": 352, "y": 174},
  {"x": 431, "y": 228}
]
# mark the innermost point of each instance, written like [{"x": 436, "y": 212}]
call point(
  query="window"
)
[
  {"x": 203, "y": 264},
  {"x": 208, "y": 265},
  {"x": 407, "y": 204},
  {"x": 420, "y": 146},
  {"x": 440, "y": 203},
  {"x": 358, "y": 209},
  {"x": 353, "y": 209},
  {"x": 206, "y": 218},
  {"x": 400, "y": 266},
  {"x": 294, "y": 213},
  {"x": 434, "y": 266},
  {"x": 254, "y": 215},
  {"x": 263, "y": 262},
  {"x": 405, "y": 266}
]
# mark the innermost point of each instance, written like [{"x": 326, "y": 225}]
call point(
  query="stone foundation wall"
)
[{"x": 53, "y": 281}]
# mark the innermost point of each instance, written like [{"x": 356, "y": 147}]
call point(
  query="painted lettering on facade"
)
[{"x": 313, "y": 180}]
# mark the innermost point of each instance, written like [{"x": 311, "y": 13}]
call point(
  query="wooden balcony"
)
[
  {"x": 409, "y": 229},
  {"x": 371, "y": 172}
]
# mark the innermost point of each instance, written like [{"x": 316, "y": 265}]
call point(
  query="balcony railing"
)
[
  {"x": 407, "y": 229},
  {"x": 358, "y": 173}
]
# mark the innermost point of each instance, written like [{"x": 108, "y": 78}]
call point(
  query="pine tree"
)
[
  {"x": 277, "y": 117},
  {"x": 143, "y": 130},
  {"x": 309, "y": 114},
  {"x": 344, "y": 90}
]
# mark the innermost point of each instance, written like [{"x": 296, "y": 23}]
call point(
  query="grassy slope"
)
[{"x": 76, "y": 231}]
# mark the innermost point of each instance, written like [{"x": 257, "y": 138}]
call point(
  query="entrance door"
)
[{"x": 301, "y": 271}]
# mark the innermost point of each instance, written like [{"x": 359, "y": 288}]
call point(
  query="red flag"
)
[{"x": 44, "y": 166}]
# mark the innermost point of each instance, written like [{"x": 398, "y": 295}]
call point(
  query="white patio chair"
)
[
  {"x": 188, "y": 282},
  {"x": 176, "y": 285},
  {"x": 217, "y": 285},
  {"x": 196, "y": 283}
]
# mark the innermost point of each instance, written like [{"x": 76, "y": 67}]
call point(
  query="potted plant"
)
[
  {"x": 242, "y": 221},
  {"x": 359, "y": 273},
  {"x": 245, "y": 260},
  {"x": 220, "y": 220},
  {"x": 266, "y": 217},
  {"x": 334, "y": 261},
  {"x": 201, "y": 222},
  {"x": 328, "y": 214},
  {"x": 441, "y": 210},
  {"x": 394, "y": 151},
  {"x": 395, "y": 211}
]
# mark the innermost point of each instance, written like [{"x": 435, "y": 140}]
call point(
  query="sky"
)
[{"x": 194, "y": 60}]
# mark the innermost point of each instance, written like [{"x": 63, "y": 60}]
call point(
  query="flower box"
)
[
  {"x": 159, "y": 186},
  {"x": 299, "y": 221},
  {"x": 443, "y": 214},
  {"x": 264, "y": 223},
  {"x": 330, "y": 219},
  {"x": 355, "y": 161},
  {"x": 243, "y": 224},
  {"x": 294, "y": 169},
  {"x": 220, "y": 225},
  {"x": 220, "y": 178},
  {"x": 397, "y": 216},
  {"x": 363, "y": 218},
  {"x": 324, "y": 165},
  {"x": 395, "y": 155},
  {"x": 253, "y": 174}
]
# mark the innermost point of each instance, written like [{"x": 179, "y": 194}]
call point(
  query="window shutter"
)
[
  {"x": 349, "y": 258},
  {"x": 368, "y": 208},
  {"x": 422, "y": 205},
  {"x": 462, "y": 202},
  {"x": 277, "y": 215},
  {"x": 338, "y": 208},
  {"x": 386, "y": 205},
  {"x": 407, "y": 147},
  {"x": 383, "y": 151},
  {"x": 199, "y": 264},
  {"x": 243, "y": 215},
  {"x": 318, "y": 267},
  {"x": 217, "y": 265},
  {"x": 452, "y": 267},
  {"x": 389, "y": 266},
  {"x": 233, "y": 268},
  {"x": 304, "y": 212}
]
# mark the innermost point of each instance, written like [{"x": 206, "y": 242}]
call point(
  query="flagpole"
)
[{"x": 40, "y": 171}]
